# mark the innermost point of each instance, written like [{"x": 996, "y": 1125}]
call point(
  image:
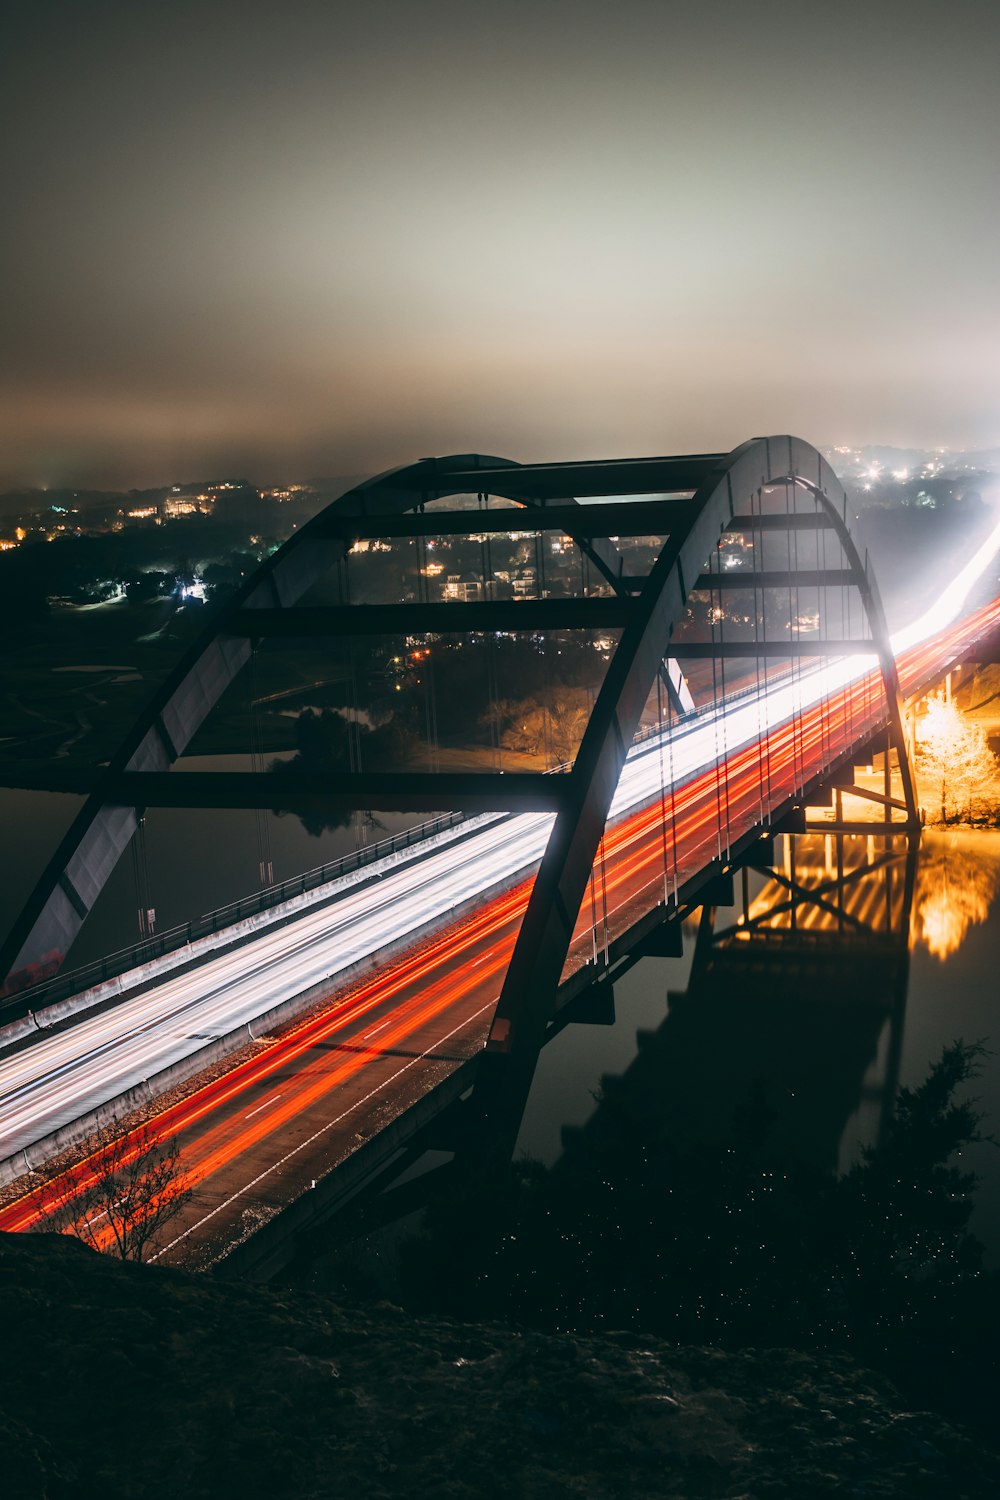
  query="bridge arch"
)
[
  {"x": 543, "y": 943},
  {"x": 86, "y": 856},
  {"x": 719, "y": 484}
]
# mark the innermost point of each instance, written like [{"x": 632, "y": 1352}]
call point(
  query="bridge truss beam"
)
[
  {"x": 647, "y": 611},
  {"x": 88, "y": 853},
  {"x": 305, "y": 791},
  {"x": 539, "y": 958}
]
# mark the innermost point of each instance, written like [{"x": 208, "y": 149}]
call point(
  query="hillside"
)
[{"x": 120, "y": 1379}]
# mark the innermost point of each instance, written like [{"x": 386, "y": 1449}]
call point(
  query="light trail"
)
[
  {"x": 47, "y": 1084},
  {"x": 194, "y": 1113},
  {"x": 952, "y": 600},
  {"x": 440, "y": 979},
  {"x": 782, "y": 728}
]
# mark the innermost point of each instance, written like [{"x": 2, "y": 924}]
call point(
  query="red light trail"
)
[{"x": 454, "y": 979}]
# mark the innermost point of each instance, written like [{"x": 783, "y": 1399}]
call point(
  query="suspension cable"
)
[
  {"x": 492, "y": 686},
  {"x": 264, "y": 861},
  {"x": 713, "y": 574},
  {"x": 145, "y": 911},
  {"x": 722, "y": 679},
  {"x": 760, "y": 635},
  {"x": 663, "y": 793}
]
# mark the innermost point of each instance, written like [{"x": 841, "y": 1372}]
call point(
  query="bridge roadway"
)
[
  {"x": 68, "y": 1075},
  {"x": 257, "y": 1137}
]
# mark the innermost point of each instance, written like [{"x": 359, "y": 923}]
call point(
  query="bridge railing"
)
[
  {"x": 71, "y": 982},
  {"x": 74, "y": 981}
]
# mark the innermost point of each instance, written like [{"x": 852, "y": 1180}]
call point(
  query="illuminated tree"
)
[
  {"x": 529, "y": 727},
  {"x": 953, "y": 755},
  {"x": 131, "y": 1193}
]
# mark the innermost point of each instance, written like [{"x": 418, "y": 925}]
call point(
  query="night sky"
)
[{"x": 301, "y": 238}]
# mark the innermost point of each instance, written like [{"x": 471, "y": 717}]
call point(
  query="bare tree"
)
[
  {"x": 132, "y": 1192},
  {"x": 529, "y": 726},
  {"x": 953, "y": 755}
]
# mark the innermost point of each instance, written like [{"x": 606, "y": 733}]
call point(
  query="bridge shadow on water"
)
[
  {"x": 701, "y": 1200},
  {"x": 793, "y": 1012}
]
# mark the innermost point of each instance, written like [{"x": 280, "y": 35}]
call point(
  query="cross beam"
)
[
  {"x": 626, "y": 476},
  {"x": 707, "y": 650},
  {"x": 777, "y": 578},
  {"x": 774, "y": 520},
  {"x": 657, "y": 517},
  {"x": 418, "y": 618},
  {"x": 295, "y": 791}
]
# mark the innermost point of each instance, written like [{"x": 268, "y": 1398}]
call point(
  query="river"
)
[
  {"x": 809, "y": 1038},
  {"x": 809, "y": 1044}
]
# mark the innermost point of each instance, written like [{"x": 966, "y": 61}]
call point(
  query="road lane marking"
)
[
  {"x": 376, "y": 1031},
  {"x": 327, "y": 1125},
  {"x": 261, "y": 1106}
]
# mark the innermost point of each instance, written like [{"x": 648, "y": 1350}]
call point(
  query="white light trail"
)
[
  {"x": 951, "y": 602},
  {"x": 62, "y": 1077}
]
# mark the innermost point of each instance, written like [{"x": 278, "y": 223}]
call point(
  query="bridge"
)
[{"x": 745, "y": 669}]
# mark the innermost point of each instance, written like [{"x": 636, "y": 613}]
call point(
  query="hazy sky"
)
[{"x": 295, "y": 237}]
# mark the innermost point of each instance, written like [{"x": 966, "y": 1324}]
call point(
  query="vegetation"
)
[
  {"x": 717, "y": 1245},
  {"x": 134, "y": 1381},
  {"x": 467, "y": 698},
  {"x": 954, "y": 758},
  {"x": 530, "y": 726},
  {"x": 134, "y": 1194},
  {"x": 327, "y": 739}
]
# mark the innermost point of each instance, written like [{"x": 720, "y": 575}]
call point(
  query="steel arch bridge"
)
[{"x": 769, "y": 493}]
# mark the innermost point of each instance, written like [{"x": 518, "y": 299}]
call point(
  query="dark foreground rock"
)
[{"x": 125, "y": 1380}]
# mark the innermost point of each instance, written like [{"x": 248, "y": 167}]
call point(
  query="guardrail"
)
[{"x": 72, "y": 982}]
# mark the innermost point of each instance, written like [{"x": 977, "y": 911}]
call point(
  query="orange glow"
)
[
  {"x": 956, "y": 886},
  {"x": 674, "y": 837}
]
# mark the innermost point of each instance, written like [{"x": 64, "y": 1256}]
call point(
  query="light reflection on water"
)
[
  {"x": 810, "y": 1037},
  {"x": 197, "y": 860},
  {"x": 957, "y": 880},
  {"x": 957, "y": 994}
]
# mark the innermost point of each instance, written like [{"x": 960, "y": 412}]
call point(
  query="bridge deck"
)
[{"x": 256, "y": 1138}]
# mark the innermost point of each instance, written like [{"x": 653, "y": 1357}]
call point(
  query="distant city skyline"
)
[
  {"x": 315, "y": 241},
  {"x": 882, "y": 461}
]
